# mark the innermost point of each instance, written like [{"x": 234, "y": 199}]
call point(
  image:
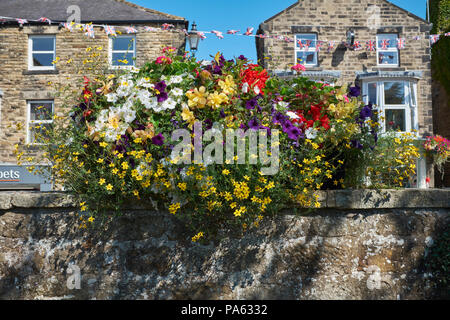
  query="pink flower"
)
[
  {"x": 298, "y": 67},
  {"x": 163, "y": 60}
]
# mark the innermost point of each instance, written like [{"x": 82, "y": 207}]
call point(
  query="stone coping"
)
[{"x": 338, "y": 199}]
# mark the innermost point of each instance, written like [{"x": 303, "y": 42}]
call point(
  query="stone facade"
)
[
  {"x": 18, "y": 84},
  {"x": 362, "y": 244},
  {"x": 330, "y": 20}
]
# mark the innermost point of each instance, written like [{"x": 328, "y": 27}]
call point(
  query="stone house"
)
[
  {"x": 27, "y": 52},
  {"x": 397, "y": 80}
]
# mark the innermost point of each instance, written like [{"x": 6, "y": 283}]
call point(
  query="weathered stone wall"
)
[
  {"x": 330, "y": 20},
  {"x": 19, "y": 84},
  {"x": 360, "y": 245}
]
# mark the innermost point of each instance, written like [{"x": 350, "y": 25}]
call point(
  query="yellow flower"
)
[
  {"x": 91, "y": 219},
  {"x": 125, "y": 165},
  {"x": 100, "y": 160},
  {"x": 225, "y": 172},
  {"x": 197, "y": 97},
  {"x": 188, "y": 116},
  {"x": 101, "y": 181},
  {"x": 217, "y": 99},
  {"x": 173, "y": 208},
  {"x": 228, "y": 85},
  {"x": 109, "y": 187},
  {"x": 182, "y": 186}
]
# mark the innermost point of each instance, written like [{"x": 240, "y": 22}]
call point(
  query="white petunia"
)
[{"x": 292, "y": 115}]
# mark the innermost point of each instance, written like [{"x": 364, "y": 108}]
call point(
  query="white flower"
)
[
  {"x": 169, "y": 104},
  {"x": 311, "y": 133},
  {"x": 245, "y": 87},
  {"x": 281, "y": 106},
  {"x": 134, "y": 69},
  {"x": 292, "y": 115},
  {"x": 177, "y": 92},
  {"x": 125, "y": 88},
  {"x": 145, "y": 83},
  {"x": 111, "y": 97},
  {"x": 257, "y": 90},
  {"x": 176, "y": 79}
]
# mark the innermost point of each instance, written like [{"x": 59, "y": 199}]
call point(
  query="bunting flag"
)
[
  {"x": 357, "y": 46},
  {"x": 370, "y": 45},
  {"x": 148, "y": 29},
  {"x": 434, "y": 38},
  {"x": 131, "y": 30},
  {"x": 330, "y": 46},
  {"x": 68, "y": 26},
  {"x": 166, "y": 26},
  {"x": 319, "y": 45},
  {"x": 401, "y": 43},
  {"x": 249, "y": 31},
  {"x": 22, "y": 21},
  {"x": 217, "y": 33},
  {"x": 110, "y": 30},
  {"x": 89, "y": 31},
  {"x": 201, "y": 35},
  {"x": 44, "y": 19}
]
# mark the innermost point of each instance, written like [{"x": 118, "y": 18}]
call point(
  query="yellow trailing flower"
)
[{"x": 197, "y": 97}]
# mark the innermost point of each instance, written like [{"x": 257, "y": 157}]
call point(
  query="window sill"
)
[
  {"x": 37, "y": 72},
  {"x": 388, "y": 68}
]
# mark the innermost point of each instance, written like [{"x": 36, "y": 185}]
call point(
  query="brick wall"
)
[
  {"x": 331, "y": 19},
  {"x": 19, "y": 85}
]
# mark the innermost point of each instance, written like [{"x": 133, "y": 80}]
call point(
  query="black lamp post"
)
[{"x": 194, "y": 38}]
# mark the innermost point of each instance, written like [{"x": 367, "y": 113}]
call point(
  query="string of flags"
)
[{"x": 303, "y": 44}]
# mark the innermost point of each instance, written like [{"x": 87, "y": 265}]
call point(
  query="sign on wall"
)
[{"x": 18, "y": 177}]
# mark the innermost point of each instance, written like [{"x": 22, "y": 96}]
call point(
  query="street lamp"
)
[{"x": 194, "y": 38}]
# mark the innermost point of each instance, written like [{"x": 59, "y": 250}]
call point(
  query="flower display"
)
[
  {"x": 121, "y": 141},
  {"x": 438, "y": 148}
]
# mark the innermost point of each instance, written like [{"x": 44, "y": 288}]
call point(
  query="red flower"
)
[{"x": 254, "y": 78}]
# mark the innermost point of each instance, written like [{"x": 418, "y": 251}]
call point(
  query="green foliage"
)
[{"x": 440, "y": 63}]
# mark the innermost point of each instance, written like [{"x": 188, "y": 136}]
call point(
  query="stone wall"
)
[
  {"x": 19, "y": 84},
  {"x": 359, "y": 245},
  {"x": 330, "y": 20}
]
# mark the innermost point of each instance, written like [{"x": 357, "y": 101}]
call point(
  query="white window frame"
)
[
  {"x": 30, "y": 52},
  {"x": 30, "y": 122},
  {"x": 110, "y": 51},
  {"x": 382, "y": 36},
  {"x": 410, "y": 105},
  {"x": 313, "y": 49}
]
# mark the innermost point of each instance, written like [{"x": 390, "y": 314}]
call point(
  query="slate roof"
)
[{"x": 111, "y": 11}]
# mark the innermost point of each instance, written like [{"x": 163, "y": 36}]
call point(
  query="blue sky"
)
[{"x": 222, "y": 15}]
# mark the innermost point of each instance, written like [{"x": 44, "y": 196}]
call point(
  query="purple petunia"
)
[
  {"x": 161, "y": 86},
  {"x": 253, "y": 124},
  {"x": 163, "y": 96},
  {"x": 158, "y": 140},
  {"x": 366, "y": 112},
  {"x": 354, "y": 91},
  {"x": 222, "y": 114},
  {"x": 294, "y": 132},
  {"x": 242, "y": 57},
  {"x": 252, "y": 103},
  {"x": 278, "y": 118}
]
